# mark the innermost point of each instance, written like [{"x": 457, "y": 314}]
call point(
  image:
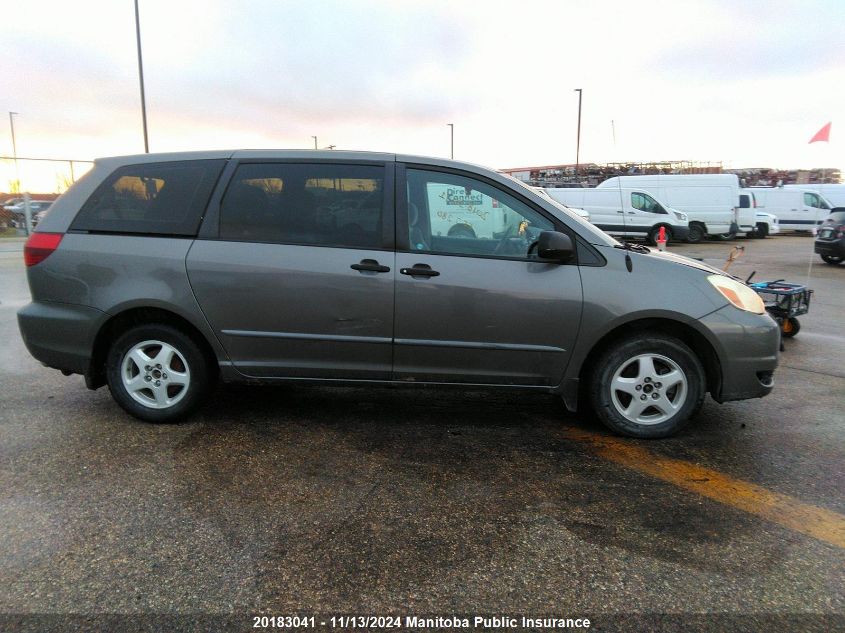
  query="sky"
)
[{"x": 745, "y": 83}]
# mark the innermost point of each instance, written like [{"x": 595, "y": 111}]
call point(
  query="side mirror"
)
[{"x": 555, "y": 246}]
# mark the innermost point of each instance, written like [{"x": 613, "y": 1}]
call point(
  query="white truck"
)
[
  {"x": 625, "y": 212},
  {"x": 711, "y": 201},
  {"x": 766, "y": 223},
  {"x": 796, "y": 209}
]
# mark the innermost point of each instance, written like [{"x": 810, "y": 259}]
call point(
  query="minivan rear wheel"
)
[
  {"x": 157, "y": 373},
  {"x": 648, "y": 386}
]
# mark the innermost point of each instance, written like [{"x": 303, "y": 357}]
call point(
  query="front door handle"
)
[
  {"x": 419, "y": 270},
  {"x": 370, "y": 266}
]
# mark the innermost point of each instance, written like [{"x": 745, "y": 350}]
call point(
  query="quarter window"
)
[
  {"x": 289, "y": 203},
  {"x": 154, "y": 198},
  {"x": 453, "y": 214}
]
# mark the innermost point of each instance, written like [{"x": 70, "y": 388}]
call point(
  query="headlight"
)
[
  {"x": 680, "y": 216},
  {"x": 738, "y": 294}
]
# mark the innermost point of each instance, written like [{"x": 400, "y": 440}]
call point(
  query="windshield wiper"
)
[{"x": 630, "y": 246}]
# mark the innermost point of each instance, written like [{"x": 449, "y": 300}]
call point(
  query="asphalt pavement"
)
[{"x": 419, "y": 501}]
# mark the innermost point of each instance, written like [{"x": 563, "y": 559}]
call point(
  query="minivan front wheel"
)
[
  {"x": 648, "y": 386},
  {"x": 157, "y": 373}
]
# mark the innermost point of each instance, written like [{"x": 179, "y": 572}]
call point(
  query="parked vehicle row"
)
[
  {"x": 692, "y": 207},
  {"x": 710, "y": 201},
  {"x": 156, "y": 274}
]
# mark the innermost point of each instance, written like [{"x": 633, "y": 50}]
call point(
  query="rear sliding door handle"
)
[
  {"x": 419, "y": 270},
  {"x": 370, "y": 266}
]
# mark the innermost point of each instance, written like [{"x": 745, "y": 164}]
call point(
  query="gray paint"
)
[{"x": 277, "y": 312}]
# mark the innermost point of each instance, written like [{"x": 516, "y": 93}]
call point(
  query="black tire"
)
[
  {"x": 833, "y": 260},
  {"x": 726, "y": 236},
  {"x": 188, "y": 357},
  {"x": 655, "y": 233},
  {"x": 696, "y": 233},
  {"x": 791, "y": 326},
  {"x": 762, "y": 231},
  {"x": 621, "y": 357}
]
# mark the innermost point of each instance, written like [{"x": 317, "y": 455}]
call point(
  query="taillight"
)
[{"x": 39, "y": 246}]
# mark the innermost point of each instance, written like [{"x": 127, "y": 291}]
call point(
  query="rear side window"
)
[
  {"x": 310, "y": 204},
  {"x": 152, "y": 198}
]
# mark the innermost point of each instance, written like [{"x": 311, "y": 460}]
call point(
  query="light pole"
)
[
  {"x": 578, "y": 139},
  {"x": 15, "y": 148},
  {"x": 141, "y": 79},
  {"x": 315, "y": 141},
  {"x": 452, "y": 136}
]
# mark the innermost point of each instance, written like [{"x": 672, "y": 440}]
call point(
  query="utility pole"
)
[
  {"x": 141, "y": 79},
  {"x": 15, "y": 149},
  {"x": 578, "y": 139},
  {"x": 315, "y": 141},
  {"x": 452, "y": 135}
]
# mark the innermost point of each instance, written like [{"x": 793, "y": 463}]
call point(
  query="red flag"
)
[{"x": 822, "y": 135}]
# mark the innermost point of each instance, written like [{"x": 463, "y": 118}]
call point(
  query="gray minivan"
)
[{"x": 160, "y": 273}]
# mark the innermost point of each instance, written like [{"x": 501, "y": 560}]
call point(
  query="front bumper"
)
[
  {"x": 60, "y": 335},
  {"x": 747, "y": 346}
]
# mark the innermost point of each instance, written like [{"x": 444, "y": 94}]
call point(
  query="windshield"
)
[{"x": 593, "y": 234}]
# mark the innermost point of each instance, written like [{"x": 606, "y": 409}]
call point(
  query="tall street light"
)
[
  {"x": 578, "y": 140},
  {"x": 315, "y": 141},
  {"x": 15, "y": 148},
  {"x": 141, "y": 78},
  {"x": 452, "y": 135}
]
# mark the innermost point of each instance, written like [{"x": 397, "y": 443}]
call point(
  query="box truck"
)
[
  {"x": 711, "y": 201},
  {"x": 625, "y": 212}
]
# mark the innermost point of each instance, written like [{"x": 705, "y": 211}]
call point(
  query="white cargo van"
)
[
  {"x": 625, "y": 212},
  {"x": 710, "y": 200},
  {"x": 833, "y": 193},
  {"x": 796, "y": 209}
]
